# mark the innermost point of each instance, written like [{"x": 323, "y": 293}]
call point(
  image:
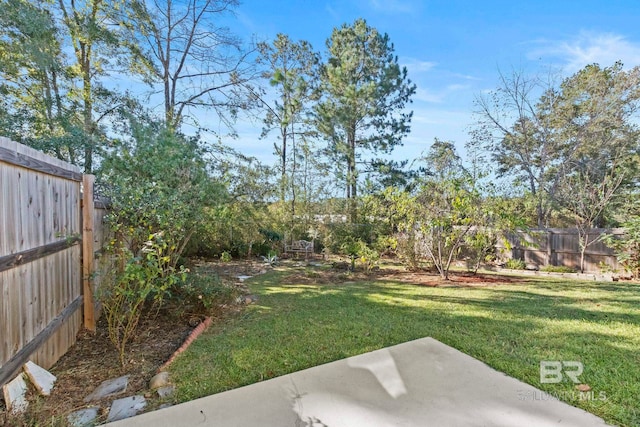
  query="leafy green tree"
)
[
  {"x": 35, "y": 82},
  {"x": 365, "y": 92},
  {"x": 548, "y": 136},
  {"x": 95, "y": 44},
  {"x": 516, "y": 125},
  {"x": 586, "y": 194},
  {"x": 596, "y": 113},
  {"x": 448, "y": 210},
  {"x": 384, "y": 173},
  {"x": 54, "y": 55},
  {"x": 448, "y": 206},
  {"x": 442, "y": 161}
]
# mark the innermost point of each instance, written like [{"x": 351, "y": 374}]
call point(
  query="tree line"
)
[{"x": 566, "y": 147}]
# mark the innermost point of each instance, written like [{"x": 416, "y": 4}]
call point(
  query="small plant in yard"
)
[
  {"x": 271, "y": 258},
  {"x": 482, "y": 246},
  {"x": 515, "y": 264},
  {"x": 225, "y": 257},
  {"x": 557, "y": 269},
  {"x": 357, "y": 250},
  {"x": 145, "y": 278},
  {"x": 406, "y": 250},
  {"x": 368, "y": 257},
  {"x": 202, "y": 294},
  {"x": 351, "y": 248},
  {"x": 627, "y": 247}
]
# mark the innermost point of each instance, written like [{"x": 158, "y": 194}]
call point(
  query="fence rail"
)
[
  {"x": 43, "y": 287},
  {"x": 561, "y": 247}
]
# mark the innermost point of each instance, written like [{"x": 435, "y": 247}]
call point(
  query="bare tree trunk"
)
[
  {"x": 293, "y": 174},
  {"x": 87, "y": 108},
  {"x": 352, "y": 177}
]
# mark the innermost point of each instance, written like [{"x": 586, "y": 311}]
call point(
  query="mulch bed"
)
[
  {"x": 339, "y": 275},
  {"x": 456, "y": 279},
  {"x": 94, "y": 359}
]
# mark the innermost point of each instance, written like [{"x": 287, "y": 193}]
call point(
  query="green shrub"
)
[
  {"x": 515, "y": 264},
  {"x": 152, "y": 217},
  {"x": 406, "y": 250},
  {"x": 202, "y": 294},
  {"x": 368, "y": 257},
  {"x": 386, "y": 245},
  {"x": 358, "y": 250},
  {"x": 557, "y": 269},
  {"x": 627, "y": 247},
  {"x": 340, "y": 236},
  {"x": 225, "y": 256},
  {"x": 141, "y": 279}
]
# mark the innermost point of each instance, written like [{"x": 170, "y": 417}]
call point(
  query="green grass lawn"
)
[{"x": 509, "y": 327}]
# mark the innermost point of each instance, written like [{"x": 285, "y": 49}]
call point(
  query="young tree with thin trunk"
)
[{"x": 290, "y": 68}]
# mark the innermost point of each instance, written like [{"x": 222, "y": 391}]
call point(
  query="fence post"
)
[
  {"x": 550, "y": 260},
  {"x": 87, "y": 251}
]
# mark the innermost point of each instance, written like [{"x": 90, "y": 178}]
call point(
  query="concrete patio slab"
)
[{"x": 418, "y": 383}]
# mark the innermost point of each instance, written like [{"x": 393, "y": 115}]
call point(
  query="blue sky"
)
[{"x": 453, "y": 49}]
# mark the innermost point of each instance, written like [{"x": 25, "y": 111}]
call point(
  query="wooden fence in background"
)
[
  {"x": 46, "y": 286},
  {"x": 560, "y": 247}
]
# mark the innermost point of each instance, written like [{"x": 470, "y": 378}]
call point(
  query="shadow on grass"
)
[{"x": 511, "y": 328}]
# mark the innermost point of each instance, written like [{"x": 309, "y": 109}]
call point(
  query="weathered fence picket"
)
[
  {"x": 41, "y": 275},
  {"x": 561, "y": 247}
]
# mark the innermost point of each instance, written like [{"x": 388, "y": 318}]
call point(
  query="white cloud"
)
[
  {"x": 457, "y": 87},
  {"x": 588, "y": 48},
  {"x": 416, "y": 66},
  {"x": 392, "y": 6},
  {"x": 466, "y": 77},
  {"x": 427, "y": 95},
  {"x": 438, "y": 96}
]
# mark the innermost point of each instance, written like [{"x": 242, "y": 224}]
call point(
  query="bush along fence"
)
[
  {"x": 561, "y": 247},
  {"x": 46, "y": 279}
]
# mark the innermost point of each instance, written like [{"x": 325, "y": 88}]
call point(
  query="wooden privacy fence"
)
[
  {"x": 561, "y": 247},
  {"x": 46, "y": 286}
]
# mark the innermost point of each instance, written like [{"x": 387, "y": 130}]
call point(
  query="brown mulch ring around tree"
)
[
  {"x": 456, "y": 279},
  {"x": 339, "y": 274}
]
